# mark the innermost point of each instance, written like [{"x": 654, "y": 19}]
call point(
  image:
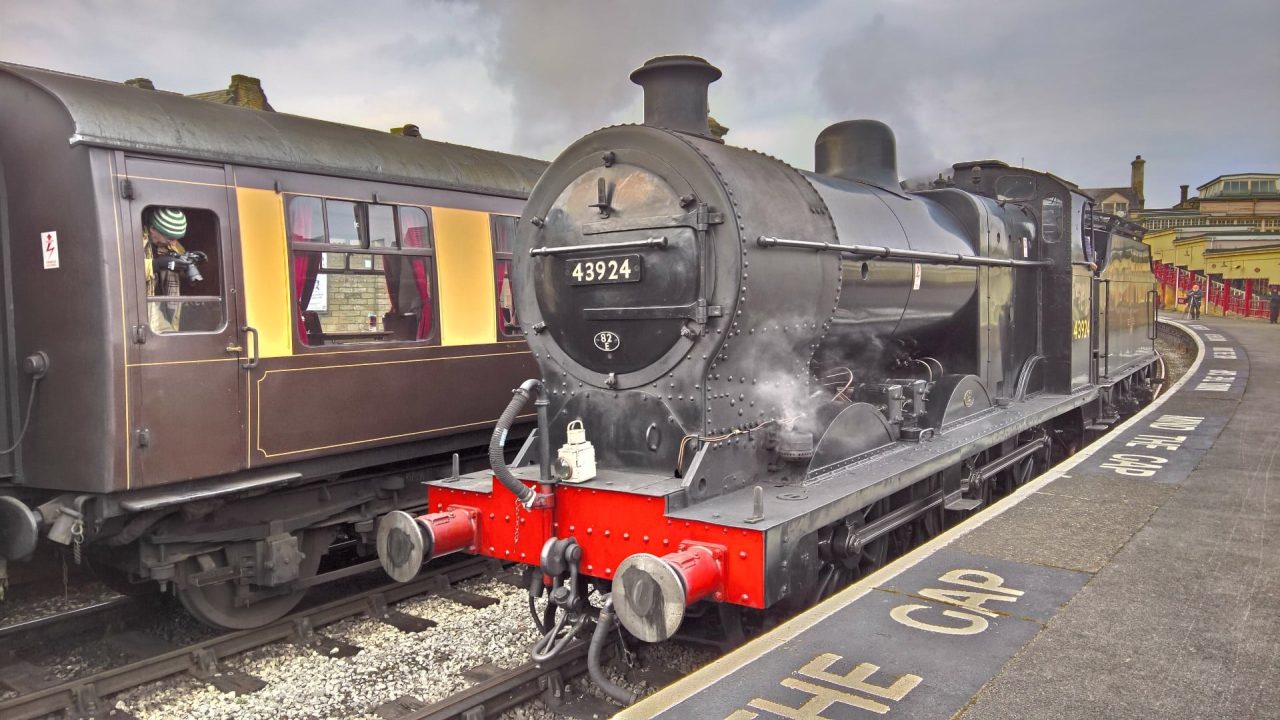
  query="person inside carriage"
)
[{"x": 161, "y": 236}]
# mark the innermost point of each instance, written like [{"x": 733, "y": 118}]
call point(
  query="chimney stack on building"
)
[
  {"x": 1183, "y": 193},
  {"x": 247, "y": 91},
  {"x": 1137, "y": 179}
]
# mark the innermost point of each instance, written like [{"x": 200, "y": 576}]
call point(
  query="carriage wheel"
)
[{"x": 217, "y": 605}]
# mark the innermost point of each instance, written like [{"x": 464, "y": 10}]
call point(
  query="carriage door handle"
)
[{"x": 252, "y": 362}]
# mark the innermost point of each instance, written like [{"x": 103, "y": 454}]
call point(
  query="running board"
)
[{"x": 961, "y": 504}]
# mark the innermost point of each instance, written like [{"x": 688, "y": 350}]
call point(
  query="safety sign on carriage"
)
[{"x": 49, "y": 246}]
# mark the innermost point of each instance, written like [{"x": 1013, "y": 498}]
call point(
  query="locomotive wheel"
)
[
  {"x": 985, "y": 492},
  {"x": 927, "y": 525},
  {"x": 843, "y": 559},
  {"x": 1020, "y": 474},
  {"x": 1023, "y": 472},
  {"x": 215, "y": 605}
]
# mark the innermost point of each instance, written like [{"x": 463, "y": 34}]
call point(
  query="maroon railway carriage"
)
[{"x": 351, "y": 327}]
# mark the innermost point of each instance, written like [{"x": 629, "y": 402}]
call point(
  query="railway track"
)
[
  {"x": 458, "y": 681},
  {"x": 70, "y": 622},
  {"x": 85, "y": 696},
  {"x": 509, "y": 689}
]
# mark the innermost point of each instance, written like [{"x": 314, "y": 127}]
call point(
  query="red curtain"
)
[
  {"x": 424, "y": 294},
  {"x": 413, "y": 238},
  {"x": 391, "y": 272},
  {"x": 306, "y": 265},
  {"x": 506, "y": 298}
]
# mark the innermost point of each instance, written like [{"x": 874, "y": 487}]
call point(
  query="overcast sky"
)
[{"x": 1073, "y": 88}]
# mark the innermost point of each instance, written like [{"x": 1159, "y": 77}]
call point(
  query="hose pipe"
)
[
  {"x": 497, "y": 444},
  {"x": 604, "y": 625}
]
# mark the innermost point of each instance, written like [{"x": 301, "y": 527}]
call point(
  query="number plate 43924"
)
[{"x": 601, "y": 270}]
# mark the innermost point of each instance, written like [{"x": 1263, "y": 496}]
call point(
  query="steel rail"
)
[
  {"x": 75, "y": 620},
  {"x": 203, "y": 656},
  {"x": 512, "y": 688}
]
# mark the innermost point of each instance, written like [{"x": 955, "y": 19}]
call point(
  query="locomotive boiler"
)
[{"x": 782, "y": 374}]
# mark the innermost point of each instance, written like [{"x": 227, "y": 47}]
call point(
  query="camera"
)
[{"x": 187, "y": 262}]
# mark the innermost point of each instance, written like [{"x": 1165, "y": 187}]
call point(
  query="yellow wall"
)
[
  {"x": 1161, "y": 244},
  {"x": 464, "y": 256},
  {"x": 1249, "y": 264},
  {"x": 265, "y": 268}
]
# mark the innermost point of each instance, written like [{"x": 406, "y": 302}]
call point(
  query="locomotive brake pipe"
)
[
  {"x": 898, "y": 254},
  {"x": 497, "y": 453}
]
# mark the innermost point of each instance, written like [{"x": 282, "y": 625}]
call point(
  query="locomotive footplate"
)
[
  {"x": 1070, "y": 598},
  {"x": 618, "y": 515}
]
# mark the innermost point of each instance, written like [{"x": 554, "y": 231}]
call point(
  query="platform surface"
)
[{"x": 1140, "y": 579}]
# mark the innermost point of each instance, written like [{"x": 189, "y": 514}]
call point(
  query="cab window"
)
[
  {"x": 182, "y": 263},
  {"x": 1051, "y": 219},
  {"x": 362, "y": 272}
]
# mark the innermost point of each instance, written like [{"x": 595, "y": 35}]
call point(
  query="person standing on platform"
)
[
  {"x": 1194, "y": 298},
  {"x": 1274, "y": 303}
]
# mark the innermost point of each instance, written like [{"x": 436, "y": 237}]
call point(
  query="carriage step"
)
[
  {"x": 963, "y": 504},
  {"x": 1097, "y": 427}
]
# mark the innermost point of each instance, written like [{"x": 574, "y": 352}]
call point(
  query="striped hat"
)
[{"x": 171, "y": 222}]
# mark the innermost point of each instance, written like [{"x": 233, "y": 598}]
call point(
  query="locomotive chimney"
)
[
  {"x": 675, "y": 92},
  {"x": 862, "y": 150}
]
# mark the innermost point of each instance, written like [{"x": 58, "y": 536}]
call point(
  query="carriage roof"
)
[{"x": 114, "y": 115}]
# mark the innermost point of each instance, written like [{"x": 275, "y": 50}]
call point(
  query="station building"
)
[{"x": 1226, "y": 239}]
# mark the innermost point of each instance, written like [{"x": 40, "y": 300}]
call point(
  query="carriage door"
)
[{"x": 187, "y": 387}]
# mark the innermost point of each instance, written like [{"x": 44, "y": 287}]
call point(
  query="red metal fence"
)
[{"x": 1249, "y": 300}]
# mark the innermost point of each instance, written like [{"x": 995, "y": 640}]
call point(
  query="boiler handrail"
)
[{"x": 898, "y": 254}]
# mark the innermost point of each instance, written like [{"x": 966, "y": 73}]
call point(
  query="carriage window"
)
[
  {"x": 182, "y": 259},
  {"x": 382, "y": 226},
  {"x": 362, "y": 276},
  {"x": 342, "y": 226},
  {"x": 504, "y": 231}
]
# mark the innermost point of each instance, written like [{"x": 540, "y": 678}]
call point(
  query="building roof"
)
[
  {"x": 1238, "y": 175},
  {"x": 1100, "y": 194},
  {"x": 1255, "y": 236},
  {"x": 1269, "y": 247}
]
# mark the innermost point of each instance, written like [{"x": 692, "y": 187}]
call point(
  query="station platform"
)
[{"x": 1139, "y": 579}]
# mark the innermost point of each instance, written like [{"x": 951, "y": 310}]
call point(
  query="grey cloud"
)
[
  {"x": 1074, "y": 89},
  {"x": 566, "y": 63}
]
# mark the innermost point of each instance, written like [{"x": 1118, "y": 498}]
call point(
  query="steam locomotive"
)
[
  {"x": 331, "y": 273},
  {"x": 758, "y": 379}
]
